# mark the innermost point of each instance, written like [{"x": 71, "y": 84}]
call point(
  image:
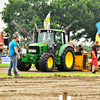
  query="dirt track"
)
[
  {"x": 34, "y": 70},
  {"x": 50, "y": 87}
]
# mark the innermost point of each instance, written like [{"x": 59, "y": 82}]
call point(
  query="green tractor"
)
[{"x": 49, "y": 51}]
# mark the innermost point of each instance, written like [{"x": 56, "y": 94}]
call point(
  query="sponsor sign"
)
[{"x": 5, "y": 60}]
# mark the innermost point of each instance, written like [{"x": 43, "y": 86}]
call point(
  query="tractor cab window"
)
[
  {"x": 46, "y": 37},
  {"x": 59, "y": 38}
]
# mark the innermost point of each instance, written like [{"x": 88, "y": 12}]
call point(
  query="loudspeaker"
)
[{"x": 6, "y": 42}]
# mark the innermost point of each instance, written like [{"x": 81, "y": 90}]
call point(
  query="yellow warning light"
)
[
  {"x": 55, "y": 45},
  {"x": 62, "y": 27}
]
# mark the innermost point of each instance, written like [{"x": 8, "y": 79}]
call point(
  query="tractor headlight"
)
[
  {"x": 24, "y": 51},
  {"x": 32, "y": 50}
]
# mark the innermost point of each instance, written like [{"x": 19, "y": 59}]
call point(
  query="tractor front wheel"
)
[
  {"x": 37, "y": 66},
  {"x": 21, "y": 66},
  {"x": 47, "y": 62}
]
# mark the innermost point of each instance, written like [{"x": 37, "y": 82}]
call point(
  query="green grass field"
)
[
  {"x": 52, "y": 74},
  {"x": 7, "y": 65},
  {"x": 4, "y": 65}
]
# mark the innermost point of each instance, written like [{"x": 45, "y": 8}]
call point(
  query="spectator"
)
[
  {"x": 94, "y": 56},
  {"x": 80, "y": 49},
  {"x": 21, "y": 49},
  {"x": 2, "y": 34},
  {"x": 76, "y": 49},
  {"x": 18, "y": 47},
  {"x": 71, "y": 43},
  {"x": 5, "y": 51},
  {"x": 1, "y": 50},
  {"x": 13, "y": 58},
  {"x": 25, "y": 41}
]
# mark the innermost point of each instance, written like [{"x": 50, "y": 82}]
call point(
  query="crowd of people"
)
[
  {"x": 5, "y": 52},
  {"x": 76, "y": 48},
  {"x": 79, "y": 49}
]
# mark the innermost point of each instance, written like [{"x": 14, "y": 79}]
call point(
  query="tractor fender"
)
[{"x": 63, "y": 48}]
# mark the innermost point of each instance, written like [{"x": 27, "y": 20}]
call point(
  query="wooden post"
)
[{"x": 65, "y": 95}]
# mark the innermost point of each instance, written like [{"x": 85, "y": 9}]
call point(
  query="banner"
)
[
  {"x": 66, "y": 28},
  {"x": 98, "y": 27},
  {"x": 36, "y": 26},
  {"x": 5, "y": 60},
  {"x": 47, "y": 22},
  {"x": 23, "y": 30}
]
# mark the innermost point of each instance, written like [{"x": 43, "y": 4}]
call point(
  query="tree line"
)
[{"x": 82, "y": 14}]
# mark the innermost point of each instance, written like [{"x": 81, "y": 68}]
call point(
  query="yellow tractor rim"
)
[
  {"x": 50, "y": 62},
  {"x": 69, "y": 59},
  {"x": 26, "y": 65}
]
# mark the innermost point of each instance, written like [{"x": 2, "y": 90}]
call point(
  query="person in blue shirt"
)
[{"x": 13, "y": 53}]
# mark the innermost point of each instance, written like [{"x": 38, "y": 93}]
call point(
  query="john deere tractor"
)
[{"x": 49, "y": 51}]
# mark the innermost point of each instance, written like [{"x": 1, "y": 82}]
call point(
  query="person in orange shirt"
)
[{"x": 2, "y": 34}]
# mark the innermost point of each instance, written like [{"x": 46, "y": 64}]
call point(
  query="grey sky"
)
[{"x": 1, "y": 8}]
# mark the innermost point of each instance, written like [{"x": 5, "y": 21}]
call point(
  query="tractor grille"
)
[{"x": 34, "y": 50}]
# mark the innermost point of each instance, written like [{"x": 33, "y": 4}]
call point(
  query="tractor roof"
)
[{"x": 53, "y": 30}]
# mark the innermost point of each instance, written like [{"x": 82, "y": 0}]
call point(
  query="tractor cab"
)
[
  {"x": 53, "y": 38},
  {"x": 44, "y": 36}
]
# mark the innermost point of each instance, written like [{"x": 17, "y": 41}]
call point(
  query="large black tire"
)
[
  {"x": 59, "y": 67},
  {"x": 47, "y": 62},
  {"x": 21, "y": 66},
  {"x": 37, "y": 66},
  {"x": 67, "y": 60}
]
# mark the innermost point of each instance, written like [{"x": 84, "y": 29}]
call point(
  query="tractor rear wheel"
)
[
  {"x": 37, "y": 66},
  {"x": 67, "y": 60},
  {"x": 47, "y": 62},
  {"x": 21, "y": 66}
]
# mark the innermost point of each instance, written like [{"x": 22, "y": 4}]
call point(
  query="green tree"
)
[
  {"x": 25, "y": 13},
  {"x": 85, "y": 17},
  {"x": 83, "y": 14}
]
